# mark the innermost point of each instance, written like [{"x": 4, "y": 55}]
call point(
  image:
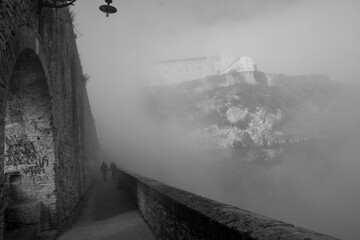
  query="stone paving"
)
[{"x": 106, "y": 213}]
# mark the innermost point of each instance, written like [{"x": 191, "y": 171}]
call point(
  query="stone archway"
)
[
  {"x": 39, "y": 62},
  {"x": 29, "y": 152}
]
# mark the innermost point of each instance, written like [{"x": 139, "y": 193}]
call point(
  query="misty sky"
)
[{"x": 282, "y": 36}]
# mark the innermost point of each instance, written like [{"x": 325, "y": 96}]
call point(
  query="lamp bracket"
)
[{"x": 56, "y": 3}]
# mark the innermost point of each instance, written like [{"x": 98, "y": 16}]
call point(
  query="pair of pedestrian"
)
[{"x": 104, "y": 169}]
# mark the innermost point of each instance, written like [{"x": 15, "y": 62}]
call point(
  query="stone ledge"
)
[
  {"x": 172, "y": 212},
  {"x": 24, "y": 213},
  {"x": 26, "y": 233}
]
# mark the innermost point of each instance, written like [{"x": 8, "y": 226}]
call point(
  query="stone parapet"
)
[{"x": 176, "y": 214}]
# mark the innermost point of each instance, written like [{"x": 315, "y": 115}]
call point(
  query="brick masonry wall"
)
[
  {"x": 175, "y": 214},
  {"x": 72, "y": 146},
  {"x": 29, "y": 138}
]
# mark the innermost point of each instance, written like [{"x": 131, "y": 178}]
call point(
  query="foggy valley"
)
[
  {"x": 300, "y": 168},
  {"x": 281, "y": 141},
  {"x": 190, "y": 119}
]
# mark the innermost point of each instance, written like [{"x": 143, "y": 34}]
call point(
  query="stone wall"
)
[
  {"x": 175, "y": 214},
  {"x": 51, "y": 143},
  {"x": 182, "y": 70},
  {"x": 29, "y": 138}
]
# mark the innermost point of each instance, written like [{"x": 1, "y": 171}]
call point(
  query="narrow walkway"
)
[{"x": 106, "y": 213}]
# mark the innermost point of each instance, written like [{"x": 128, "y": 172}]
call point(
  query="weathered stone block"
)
[{"x": 24, "y": 213}]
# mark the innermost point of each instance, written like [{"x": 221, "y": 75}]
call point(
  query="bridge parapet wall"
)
[{"x": 172, "y": 213}]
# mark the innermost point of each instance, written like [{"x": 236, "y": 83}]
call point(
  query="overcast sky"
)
[{"x": 282, "y": 36}]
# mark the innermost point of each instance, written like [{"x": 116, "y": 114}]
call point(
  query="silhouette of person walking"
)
[
  {"x": 104, "y": 169},
  {"x": 113, "y": 169}
]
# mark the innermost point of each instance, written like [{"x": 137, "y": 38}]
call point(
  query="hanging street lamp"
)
[
  {"x": 107, "y": 8},
  {"x": 65, "y": 3}
]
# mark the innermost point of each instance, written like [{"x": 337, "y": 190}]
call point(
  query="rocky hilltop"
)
[{"x": 253, "y": 113}]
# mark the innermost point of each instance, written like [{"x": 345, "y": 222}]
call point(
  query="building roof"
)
[
  {"x": 231, "y": 64},
  {"x": 183, "y": 60}
]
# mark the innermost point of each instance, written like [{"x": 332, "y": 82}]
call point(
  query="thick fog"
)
[{"x": 318, "y": 189}]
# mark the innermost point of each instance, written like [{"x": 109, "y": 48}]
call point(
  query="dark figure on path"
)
[
  {"x": 113, "y": 170},
  {"x": 104, "y": 169}
]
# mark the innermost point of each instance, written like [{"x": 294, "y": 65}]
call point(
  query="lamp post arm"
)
[
  {"x": 65, "y": 3},
  {"x": 54, "y": 5}
]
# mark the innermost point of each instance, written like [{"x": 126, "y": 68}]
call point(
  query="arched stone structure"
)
[
  {"x": 49, "y": 116},
  {"x": 29, "y": 141}
]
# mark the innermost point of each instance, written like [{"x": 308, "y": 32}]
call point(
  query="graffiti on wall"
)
[
  {"x": 20, "y": 150},
  {"x": 34, "y": 170}
]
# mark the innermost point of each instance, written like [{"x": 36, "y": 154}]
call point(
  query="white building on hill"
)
[
  {"x": 242, "y": 64},
  {"x": 183, "y": 70}
]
